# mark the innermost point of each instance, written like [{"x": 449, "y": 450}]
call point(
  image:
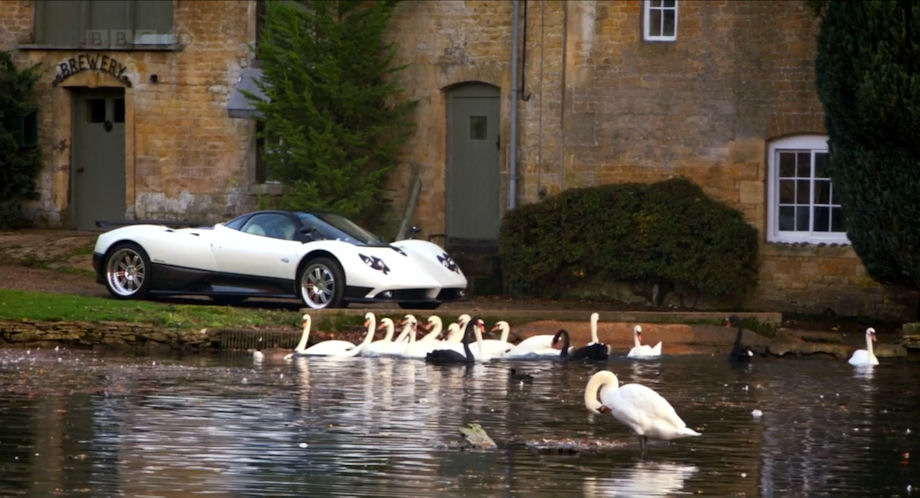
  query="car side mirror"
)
[{"x": 414, "y": 230}]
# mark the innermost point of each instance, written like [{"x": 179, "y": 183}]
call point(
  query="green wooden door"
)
[
  {"x": 98, "y": 157},
  {"x": 473, "y": 179}
]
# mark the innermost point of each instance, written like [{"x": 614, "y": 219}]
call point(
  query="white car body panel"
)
[{"x": 419, "y": 267}]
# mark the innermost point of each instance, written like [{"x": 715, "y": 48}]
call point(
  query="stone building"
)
[{"x": 518, "y": 100}]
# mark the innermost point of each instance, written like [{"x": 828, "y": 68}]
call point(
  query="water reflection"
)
[
  {"x": 643, "y": 479},
  {"x": 74, "y": 422}
]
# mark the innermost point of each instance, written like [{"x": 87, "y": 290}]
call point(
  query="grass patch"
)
[{"x": 44, "y": 306}]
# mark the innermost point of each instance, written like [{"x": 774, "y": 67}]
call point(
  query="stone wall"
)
[
  {"x": 601, "y": 106},
  {"x": 184, "y": 158}
]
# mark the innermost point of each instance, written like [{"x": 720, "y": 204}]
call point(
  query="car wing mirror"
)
[{"x": 413, "y": 231}]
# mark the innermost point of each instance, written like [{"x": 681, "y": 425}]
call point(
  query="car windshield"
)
[{"x": 337, "y": 227}]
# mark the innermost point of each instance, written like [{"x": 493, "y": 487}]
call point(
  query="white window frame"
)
[
  {"x": 801, "y": 143},
  {"x": 651, "y": 6}
]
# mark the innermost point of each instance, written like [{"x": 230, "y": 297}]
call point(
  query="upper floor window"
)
[
  {"x": 104, "y": 24},
  {"x": 659, "y": 20},
  {"x": 801, "y": 199}
]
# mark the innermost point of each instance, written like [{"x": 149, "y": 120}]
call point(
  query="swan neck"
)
[
  {"x": 594, "y": 337},
  {"x": 636, "y": 341},
  {"x": 738, "y": 337},
  {"x": 506, "y": 329},
  {"x": 869, "y": 345},
  {"x": 305, "y": 337}
]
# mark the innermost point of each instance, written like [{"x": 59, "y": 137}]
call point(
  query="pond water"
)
[{"x": 102, "y": 424}]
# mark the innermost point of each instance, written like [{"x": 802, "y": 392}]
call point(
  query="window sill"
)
[{"x": 136, "y": 47}]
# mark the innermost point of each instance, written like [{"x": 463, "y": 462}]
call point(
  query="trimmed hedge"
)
[{"x": 668, "y": 233}]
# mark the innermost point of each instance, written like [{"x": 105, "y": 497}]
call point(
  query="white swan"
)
[
  {"x": 498, "y": 347},
  {"x": 640, "y": 350},
  {"x": 537, "y": 346},
  {"x": 419, "y": 348},
  {"x": 865, "y": 357},
  {"x": 332, "y": 347},
  {"x": 457, "y": 335},
  {"x": 435, "y": 327},
  {"x": 383, "y": 346},
  {"x": 641, "y": 409},
  {"x": 386, "y": 346}
]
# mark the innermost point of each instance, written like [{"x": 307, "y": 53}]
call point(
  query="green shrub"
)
[{"x": 668, "y": 233}]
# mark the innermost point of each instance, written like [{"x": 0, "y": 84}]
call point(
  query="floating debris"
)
[
  {"x": 573, "y": 446},
  {"x": 477, "y": 438}
]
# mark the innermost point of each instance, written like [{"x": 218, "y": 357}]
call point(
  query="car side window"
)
[{"x": 276, "y": 226}]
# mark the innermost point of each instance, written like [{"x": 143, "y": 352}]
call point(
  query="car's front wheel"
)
[
  {"x": 322, "y": 284},
  {"x": 127, "y": 271}
]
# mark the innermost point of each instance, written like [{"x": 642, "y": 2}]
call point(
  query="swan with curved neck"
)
[
  {"x": 386, "y": 346},
  {"x": 494, "y": 348},
  {"x": 740, "y": 353},
  {"x": 595, "y": 351},
  {"x": 640, "y": 350},
  {"x": 638, "y": 407},
  {"x": 332, "y": 347},
  {"x": 865, "y": 357}
]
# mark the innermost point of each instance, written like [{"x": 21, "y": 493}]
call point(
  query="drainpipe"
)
[{"x": 512, "y": 180}]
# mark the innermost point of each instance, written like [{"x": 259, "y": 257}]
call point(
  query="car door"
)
[{"x": 262, "y": 247}]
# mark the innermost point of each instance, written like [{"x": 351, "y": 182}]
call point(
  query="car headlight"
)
[
  {"x": 375, "y": 263},
  {"x": 448, "y": 262}
]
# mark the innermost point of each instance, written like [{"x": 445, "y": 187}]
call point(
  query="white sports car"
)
[{"x": 323, "y": 259}]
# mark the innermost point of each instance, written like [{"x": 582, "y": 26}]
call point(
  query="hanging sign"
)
[{"x": 91, "y": 62}]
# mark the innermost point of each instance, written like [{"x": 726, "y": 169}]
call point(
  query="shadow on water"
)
[{"x": 74, "y": 422}]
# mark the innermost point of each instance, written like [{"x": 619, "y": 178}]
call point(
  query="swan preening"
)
[
  {"x": 640, "y": 408},
  {"x": 740, "y": 353},
  {"x": 640, "y": 350},
  {"x": 865, "y": 357}
]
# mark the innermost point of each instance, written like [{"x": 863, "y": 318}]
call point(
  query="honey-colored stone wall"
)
[
  {"x": 184, "y": 158},
  {"x": 601, "y": 106}
]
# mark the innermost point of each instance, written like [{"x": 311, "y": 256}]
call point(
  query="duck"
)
[
  {"x": 865, "y": 357},
  {"x": 332, "y": 347},
  {"x": 260, "y": 355},
  {"x": 519, "y": 378},
  {"x": 452, "y": 357},
  {"x": 644, "y": 411},
  {"x": 594, "y": 351},
  {"x": 640, "y": 350},
  {"x": 740, "y": 354}
]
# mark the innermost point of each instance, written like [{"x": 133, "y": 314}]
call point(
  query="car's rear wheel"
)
[
  {"x": 322, "y": 284},
  {"x": 127, "y": 271}
]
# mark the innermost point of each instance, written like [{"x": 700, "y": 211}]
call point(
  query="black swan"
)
[
  {"x": 740, "y": 354},
  {"x": 451, "y": 357},
  {"x": 592, "y": 352}
]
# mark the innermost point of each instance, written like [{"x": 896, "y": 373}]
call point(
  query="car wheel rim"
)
[
  {"x": 318, "y": 286},
  {"x": 126, "y": 272}
]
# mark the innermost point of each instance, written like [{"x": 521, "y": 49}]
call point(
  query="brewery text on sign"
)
[{"x": 91, "y": 62}]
